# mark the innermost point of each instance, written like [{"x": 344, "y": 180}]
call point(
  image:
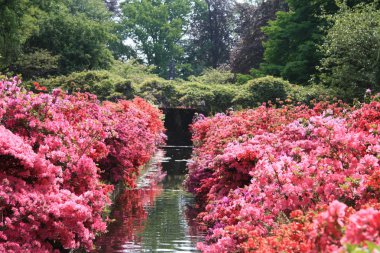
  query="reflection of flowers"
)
[
  {"x": 129, "y": 214},
  {"x": 196, "y": 228}
]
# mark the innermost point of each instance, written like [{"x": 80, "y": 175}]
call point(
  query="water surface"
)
[{"x": 155, "y": 218}]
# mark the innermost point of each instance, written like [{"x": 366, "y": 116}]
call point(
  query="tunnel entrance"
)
[{"x": 177, "y": 124}]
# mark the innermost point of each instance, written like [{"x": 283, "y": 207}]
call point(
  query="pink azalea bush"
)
[
  {"x": 290, "y": 179},
  {"x": 59, "y": 153}
]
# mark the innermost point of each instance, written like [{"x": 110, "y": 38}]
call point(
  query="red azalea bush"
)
[
  {"x": 55, "y": 152},
  {"x": 137, "y": 129},
  {"x": 290, "y": 179}
]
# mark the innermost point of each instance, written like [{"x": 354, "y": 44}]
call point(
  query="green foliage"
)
[
  {"x": 198, "y": 46},
  {"x": 160, "y": 92},
  {"x": 242, "y": 78},
  {"x": 134, "y": 71},
  {"x": 293, "y": 38},
  {"x": 248, "y": 51},
  {"x": 315, "y": 92},
  {"x": 210, "y": 93},
  {"x": 77, "y": 31},
  {"x": 196, "y": 95},
  {"x": 120, "y": 49},
  {"x": 352, "y": 51},
  {"x": 371, "y": 248},
  {"x": 104, "y": 84},
  {"x": 18, "y": 21},
  {"x": 37, "y": 64},
  {"x": 223, "y": 97},
  {"x": 210, "y": 34},
  {"x": 256, "y": 73},
  {"x": 264, "y": 89},
  {"x": 253, "y": 73},
  {"x": 156, "y": 27},
  {"x": 209, "y": 97},
  {"x": 214, "y": 76}
]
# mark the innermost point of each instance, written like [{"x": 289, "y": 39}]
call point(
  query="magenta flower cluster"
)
[
  {"x": 290, "y": 179},
  {"x": 59, "y": 154}
]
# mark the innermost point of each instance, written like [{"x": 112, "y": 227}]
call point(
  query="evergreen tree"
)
[
  {"x": 18, "y": 21},
  {"x": 291, "y": 50},
  {"x": 211, "y": 34}
]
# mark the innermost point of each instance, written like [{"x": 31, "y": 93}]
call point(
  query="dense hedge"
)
[
  {"x": 268, "y": 88},
  {"x": 159, "y": 92},
  {"x": 105, "y": 84},
  {"x": 214, "y": 91}
]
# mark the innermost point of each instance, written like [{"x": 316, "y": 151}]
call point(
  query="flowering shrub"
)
[
  {"x": 290, "y": 179},
  {"x": 137, "y": 130},
  {"x": 54, "y": 151}
]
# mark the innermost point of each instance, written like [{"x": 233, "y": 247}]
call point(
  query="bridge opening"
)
[{"x": 177, "y": 124}]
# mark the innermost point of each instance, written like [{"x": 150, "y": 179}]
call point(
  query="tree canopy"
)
[
  {"x": 248, "y": 51},
  {"x": 157, "y": 27},
  {"x": 300, "y": 41},
  {"x": 77, "y": 31},
  {"x": 293, "y": 38},
  {"x": 352, "y": 51},
  {"x": 18, "y": 21}
]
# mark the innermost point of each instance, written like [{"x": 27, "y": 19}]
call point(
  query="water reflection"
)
[{"x": 155, "y": 219}]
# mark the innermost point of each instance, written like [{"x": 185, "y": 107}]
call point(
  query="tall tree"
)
[
  {"x": 211, "y": 35},
  {"x": 293, "y": 39},
  {"x": 352, "y": 51},
  {"x": 291, "y": 50},
  {"x": 251, "y": 17},
  {"x": 156, "y": 28}
]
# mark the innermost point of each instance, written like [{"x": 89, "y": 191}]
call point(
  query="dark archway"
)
[{"x": 177, "y": 124}]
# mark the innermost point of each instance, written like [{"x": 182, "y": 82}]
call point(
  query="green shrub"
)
[
  {"x": 104, "y": 84},
  {"x": 242, "y": 78},
  {"x": 264, "y": 89},
  {"x": 196, "y": 95},
  {"x": 223, "y": 97},
  {"x": 306, "y": 94},
  {"x": 134, "y": 71},
  {"x": 256, "y": 73},
  {"x": 352, "y": 51},
  {"x": 214, "y": 76},
  {"x": 159, "y": 91},
  {"x": 40, "y": 63},
  {"x": 261, "y": 90}
]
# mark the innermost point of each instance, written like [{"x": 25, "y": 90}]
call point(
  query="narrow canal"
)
[{"x": 157, "y": 217}]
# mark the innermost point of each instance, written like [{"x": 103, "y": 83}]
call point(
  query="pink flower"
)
[{"x": 363, "y": 226}]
